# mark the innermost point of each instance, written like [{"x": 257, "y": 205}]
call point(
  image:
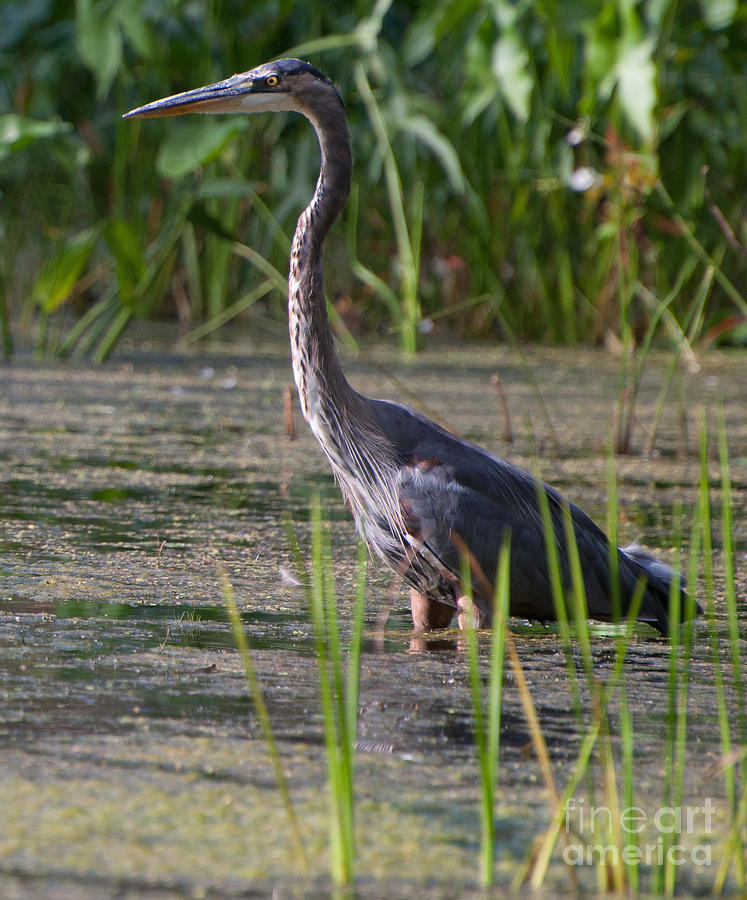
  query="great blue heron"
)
[{"x": 422, "y": 498}]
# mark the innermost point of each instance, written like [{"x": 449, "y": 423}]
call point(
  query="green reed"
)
[
  {"x": 535, "y": 870},
  {"x": 260, "y": 709},
  {"x": 734, "y": 761},
  {"x": 487, "y": 732},
  {"x": 338, "y": 684},
  {"x": 407, "y": 237},
  {"x": 683, "y": 625},
  {"x": 605, "y": 758},
  {"x": 338, "y": 681},
  {"x": 611, "y": 874}
]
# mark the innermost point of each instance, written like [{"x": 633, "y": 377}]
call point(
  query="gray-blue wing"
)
[{"x": 456, "y": 496}]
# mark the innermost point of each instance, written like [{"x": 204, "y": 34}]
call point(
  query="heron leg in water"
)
[
  {"x": 429, "y": 614},
  {"x": 480, "y": 618}
]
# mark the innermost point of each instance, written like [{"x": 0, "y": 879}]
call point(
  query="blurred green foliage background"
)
[{"x": 555, "y": 171}]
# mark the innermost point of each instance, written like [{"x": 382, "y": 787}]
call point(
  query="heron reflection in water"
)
[{"x": 422, "y": 498}]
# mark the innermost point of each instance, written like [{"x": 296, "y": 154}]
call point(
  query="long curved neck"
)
[
  {"x": 316, "y": 367},
  {"x": 361, "y": 456}
]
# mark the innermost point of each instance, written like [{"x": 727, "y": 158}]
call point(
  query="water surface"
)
[{"x": 132, "y": 759}]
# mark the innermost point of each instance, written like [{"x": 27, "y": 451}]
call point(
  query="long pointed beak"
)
[{"x": 229, "y": 95}]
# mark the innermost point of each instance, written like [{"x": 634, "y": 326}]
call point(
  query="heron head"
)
[{"x": 286, "y": 84}]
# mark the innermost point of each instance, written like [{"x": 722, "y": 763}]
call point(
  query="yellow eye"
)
[{"x": 272, "y": 81}]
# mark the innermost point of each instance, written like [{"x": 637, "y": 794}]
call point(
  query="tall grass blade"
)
[
  {"x": 487, "y": 733},
  {"x": 230, "y": 312},
  {"x": 626, "y": 719},
  {"x": 700, "y": 250},
  {"x": 600, "y": 694},
  {"x": 629, "y": 396},
  {"x": 535, "y": 871},
  {"x": 340, "y": 871},
  {"x": 729, "y": 565},
  {"x": 495, "y": 685},
  {"x": 362, "y": 272},
  {"x": 354, "y": 652},
  {"x": 408, "y": 254},
  {"x": 729, "y": 770},
  {"x": 610, "y": 872},
  {"x": 263, "y": 717},
  {"x": 556, "y": 584},
  {"x": 265, "y": 266},
  {"x": 578, "y": 596},
  {"x": 612, "y": 535},
  {"x": 628, "y": 780},
  {"x": 680, "y": 650},
  {"x": 339, "y": 695},
  {"x": 735, "y": 848},
  {"x": 675, "y": 610}
]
